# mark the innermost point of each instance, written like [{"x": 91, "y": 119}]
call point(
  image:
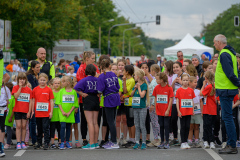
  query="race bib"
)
[
  {"x": 136, "y": 101},
  {"x": 55, "y": 105},
  {"x": 126, "y": 101},
  {"x": 197, "y": 107},
  {"x": 204, "y": 101},
  {"x": 42, "y": 106},
  {"x": 162, "y": 99},
  {"x": 186, "y": 103},
  {"x": 24, "y": 97},
  {"x": 2, "y": 110},
  {"x": 68, "y": 99}
]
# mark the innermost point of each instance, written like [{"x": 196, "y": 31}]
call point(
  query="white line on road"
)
[
  {"x": 213, "y": 154},
  {"x": 19, "y": 153}
]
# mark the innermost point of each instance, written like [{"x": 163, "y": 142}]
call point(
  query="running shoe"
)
[
  {"x": 96, "y": 145},
  {"x": 46, "y": 146},
  {"x": 38, "y": 146},
  {"x": 171, "y": 137},
  {"x": 113, "y": 146},
  {"x": 136, "y": 146},
  {"x": 68, "y": 145},
  {"x": 186, "y": 144},
  {"x": 224, "y": 144},
  {"x": 27, "y": 144},
  {"x": 88, "y": 146},
  {"x": 2, "y": 154},
  {"x": 154, "y": 143},
  {"x": 228, "y": 150},
  {"x": 124, "y": 141},
  {"x": 212, "y": 145},
  {"x": 107, "y": 145},
  {"x": 85, "y": 142},
  {"x": 144, "y": 146},
  {"x": 7, "y": 146},
  {"x": 62, "y": 146},
  {"x": 53, "y": 146},
  {"x": 238, "y": 144},
  {"x": 148, "y": 141},
  {"x": 174, "y": 142},
  {"x": 161, "y": 146},
  {"x": 197, "y": 144},
  {"x": 23, "y": 146},
  {"x": 102, "y": 143},
  {"x": 130, "y": 144},
  {"x": 18, "y": 146},
  {"x": 78, "y": 145},
  {"x": 183, "y": 146},
  {"x": 166, "y": 146},
  {"x": 206, "y": 145}
]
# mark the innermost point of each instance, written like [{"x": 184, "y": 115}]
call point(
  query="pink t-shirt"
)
[{"x": 170, "y": 80}]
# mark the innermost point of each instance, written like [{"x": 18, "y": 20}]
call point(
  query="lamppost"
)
[
  {"x": 99, "y": 37},
  {"x": 129, "y": 45},
  {"x": 123, "y": 37},
  {"x": 136, "y": 45}
]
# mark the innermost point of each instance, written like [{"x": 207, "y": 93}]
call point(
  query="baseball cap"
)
[{"x": 158, "y": 55}]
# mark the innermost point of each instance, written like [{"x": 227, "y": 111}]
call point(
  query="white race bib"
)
[
  {"x": 24, "y": 97},
  {"x": 42, "y": 106},
  {"x": 162, "y": 99},
  {"x": 135, "y": 101},
  {"x": 126, "y": 101},
  {"x": 68, "y": 99},
  {"x": 197, "y": 107},
  {"x": 55, "y": 105},
  {"x": 186, "y": 103},
  {"x": 204, "y": 101},
  {"x": 2, "y": 110}
]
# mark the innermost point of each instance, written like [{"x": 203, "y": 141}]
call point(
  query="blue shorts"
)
[{"x": 77, "y": 117}]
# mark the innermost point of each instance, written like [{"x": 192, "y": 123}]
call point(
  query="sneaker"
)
[
  {"x": 136, "y": 146},
  {"x": 228, "y": 150},
  {"x": 205, "y": 144},
  {"x": 144, "y": 146},
  {"x": 112, "y": 146},
  {"x": 118, "y": 141},
  {"x": 46, "y": 146},
  {"x": 183, "y": 146},
  {"x": 59, "y": 144},
  {"x": 130, "y": 144},
  {"x": 2, "y": 154},
  {"x": 102, "y": 143},
  {"x": 161, "y": 146},
  {"x": 171, "y": 137},
  {"x": 62, "y": 146},
  {"x": 106, "y": 144},
  {"x": 197, "y": 144},
  {"x": 154, "y": 143},
  {"x": 96, "y": 145},
  {"x": 166, "y": 146},
  {"x": 53, "y": 146},
  {"x": 88, "y": 146},
  {"x": 238, "y": 144},
  {"x": 18, "y": 146},
  {"x": 174, "y": 142},
  {"x": 148, "y": 141},
  {"x": 187, "y": 146},
  {"x": 30, "y": 143},
  {"x": 38, "y": 146},
  {"x": 217, "y": 141},
  {"x": 190, "y": 143},
  {"x": 7, "y": 146},
  {"x": 212, "y": 145},
  {"x": 85, "y": 142},
  {"x": 124, "y": 141},
  {"x": 68, "y": 145},
  {"x": 27, "y": 144},
  {"x": 23, "y": 146},
  {"x": 78, "y": 145},
  {"x": 224, "y": 144}
]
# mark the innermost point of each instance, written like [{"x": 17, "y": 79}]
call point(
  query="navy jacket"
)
[{"x": 32, "y": 80}]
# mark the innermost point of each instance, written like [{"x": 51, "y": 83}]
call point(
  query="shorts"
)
[
  {"x": 196, "y": 119},
  {"x": 121, "y": 110},
  {"x": 77, "y": 117},
  {"x": 20, "y": 115},
  {"x": 129, "y": 116},
  {"x": 2, "y": 122},
  {"x": 91, "y": 103}
]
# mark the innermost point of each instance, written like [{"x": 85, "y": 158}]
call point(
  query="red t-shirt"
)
[
  {"x": 66, "y": 66},
  {"x": 42, "y": 101},
  {"x": 22, "y": 103},
  {"x": 180, "y": 61},
  {"x": 209, "y": 103},
  {"x": 185, "y": 97},
  {"x": 81, "y": 74},
  {"x": 162, "y": 95}
]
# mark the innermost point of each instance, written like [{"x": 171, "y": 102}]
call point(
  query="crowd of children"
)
[{"x": 127, "y": 99}]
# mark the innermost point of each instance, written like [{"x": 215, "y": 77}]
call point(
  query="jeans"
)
[
  {"x": 110, "y": 116},
  {"x": 32, "y": 129},
  {"x": 164, "y": 126},
  {"x": 227, "y": 116},
  {"x": 67, "y": 127},
  {"x": 43, "y": 126}
]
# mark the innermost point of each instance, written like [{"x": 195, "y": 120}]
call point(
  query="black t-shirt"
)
[{"x": 200, "y": 82}]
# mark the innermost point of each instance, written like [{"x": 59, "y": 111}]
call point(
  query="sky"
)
[{"x": 178, "y": 17}]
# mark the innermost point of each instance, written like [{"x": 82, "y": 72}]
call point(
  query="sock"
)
[
  {"x": 18, "y": 142},
  {"x": 76, "y": 141}
]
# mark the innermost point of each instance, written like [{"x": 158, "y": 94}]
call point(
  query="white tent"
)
[{"x": 188, "y": 45}]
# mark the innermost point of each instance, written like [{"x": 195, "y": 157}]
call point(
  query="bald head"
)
[
  {"x": 220, "y": 41},
  {"x": 41, "y": 54}
]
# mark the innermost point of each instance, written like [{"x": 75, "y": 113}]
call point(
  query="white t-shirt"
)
[
  {"x": 196, "y": 100},
  {"x": 16, "y": 68},
  {"x": 73, "y": 75},
  {"x": 4, "y": 97}
]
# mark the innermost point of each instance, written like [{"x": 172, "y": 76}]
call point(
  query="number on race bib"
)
[
  {"x": 2, "y": 110},
  {"x": 197, "y": 107},
  {"x": 24, "y": 97},
  {"x": 42, "y": 106},
  {"x": 55, "y": 105},
  {"x": 126, "y": 101},
  {"x": 68, "y": 99},
  {"x": 136, "y": 101},
  {"x": 204, "y": 101},
  {"x": 186, "y": 103},
  {"x": 162, "y": 99}
]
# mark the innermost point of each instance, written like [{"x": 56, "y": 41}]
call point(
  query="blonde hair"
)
[
  {"x": 155, "y": 68},
  {"x": 140, "y": 73},
  {"x": 43, "y": 75},
  {"x": 191, "y": 70},
  {"x": 184, "y": 75},
  {"x": 87, "y": 54},
  {"x": 192, "y": 78},
  {"x": 70, "y": 68},
  {"x": 210, "y": 76},
  {"x": 14, "y": 77},
  {"x": 22, "y": 75},
  {"x": 69, "y": 79},
  {"x": 57, "y": 79}
]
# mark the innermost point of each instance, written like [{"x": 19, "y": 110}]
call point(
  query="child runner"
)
[
  {"x": 139, "y": 96},
  {"x": 209, "y": 109},
  {"x": 55, "y": 124},
  {"x": 196, "y": 119},
  {"x": 87, "y": 89},
  {"x": 10, "y": 117},
  {"x": 163, "y": 94},
  {"x": 191, "y": 70},
  {"x": 22, "y": 108},
  {"x": 108, "y": 85},
  {"x": 43, "y": 109},
  {"x": 67, "y": 102},
  {"x": 185, "y": 108},
  {"x": 186, "y": 62},
  {"x": 169, "y": 71}
]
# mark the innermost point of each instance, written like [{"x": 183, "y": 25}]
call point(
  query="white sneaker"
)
[
  {"x": 212, "y": 145},
  {"x": 187, "y": 146},
  {"x": 2, "y": 154},
  {"x": 205, "y": 144},
  {"x": 124, "y": 141},
  {"x": 183, "y": 146},
  {"x": 224, "y": 144}
]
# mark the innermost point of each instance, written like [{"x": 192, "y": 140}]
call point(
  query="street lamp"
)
[
  {"x": 136, "y": 45},
  {"x": 129, "y": 45},
  {"x": 99, "y": 37},
  {"x": 123, "y": 37}
]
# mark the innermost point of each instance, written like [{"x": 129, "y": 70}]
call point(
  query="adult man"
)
[
  {"x": 46, "y": 66},
  {"x": 202, "y": 58},
  {"x": 180, "y": 56},
  {"x": 9, "y": 67},
  {"x": 142, "y": 60},
  {"x": 159, "y": 61},
  {"x": 75, "y": 64},
  {"x": 227, "y": 84},
  {"x": 196, "y": 63}
]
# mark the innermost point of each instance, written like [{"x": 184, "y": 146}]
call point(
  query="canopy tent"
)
[{"x": 189, "y": 46}]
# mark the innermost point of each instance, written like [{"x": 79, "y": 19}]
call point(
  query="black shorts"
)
[
  {"x": 20, "y": 115},
  {"x": 2, "y": 122},
  {"x": 121, "y": 110},
  {"x": 91, "y": 103}
]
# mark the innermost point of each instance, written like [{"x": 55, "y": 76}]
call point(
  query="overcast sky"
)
[{"x": 178, "y": 17}]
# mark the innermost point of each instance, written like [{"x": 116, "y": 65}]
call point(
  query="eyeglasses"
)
[{"x": 180, "y": 55}]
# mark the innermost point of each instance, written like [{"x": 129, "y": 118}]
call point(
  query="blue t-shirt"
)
[
  {"x": 137, "y": 101},
  {"x": 75, "y": 65}
]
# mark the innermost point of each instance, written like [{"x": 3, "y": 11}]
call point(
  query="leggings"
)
[
  {"x": 148, "y": 122},
  {"x": 217, "y": 123},
  {"x": 104, "y": 123},
  {"x": 185, "y": 126},
  {"x": 67, "y": 127},
  {"x": 129, "y": 116},
  {"x": 83, "y": 122},
  {"x": 207, "y": 127},
  {"x": 155, "y": 124},
  {"x": 164, "y": 126},
  {"x": 174, "y": 121},
  {"x": 140, "y": 115},
  {"x": 9, "y": 135},
  {"x": 53, "y": 126},
  {"x": 110, "y": 116}
]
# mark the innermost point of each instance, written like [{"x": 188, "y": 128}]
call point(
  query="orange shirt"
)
[
  {"x": 209, "y": 103},
  {"x": 185, "y": 97},
  {"x": 9, "y": 67}
]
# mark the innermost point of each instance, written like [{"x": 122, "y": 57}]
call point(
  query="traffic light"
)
[
  {"x": 236, "y": 21},
  {"x": 158, "y": 20}
]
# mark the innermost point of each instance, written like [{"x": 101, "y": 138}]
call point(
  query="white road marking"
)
[
  {"x": 19, "y": 153},
  {"x": 213, "y": 154}
]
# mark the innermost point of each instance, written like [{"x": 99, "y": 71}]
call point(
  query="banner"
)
[
  {"x": 1, "y": 34},
  {"x": 8, "y": 34}
]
